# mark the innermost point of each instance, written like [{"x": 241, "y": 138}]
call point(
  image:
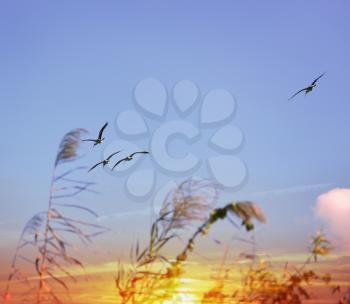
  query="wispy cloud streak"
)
[
  {"x": 294, "y": 189},
  {"x": 126, "y": 214}
]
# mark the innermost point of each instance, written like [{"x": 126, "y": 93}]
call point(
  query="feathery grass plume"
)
[
  {"x": 189, "y": 202},
  {"x": 246, "y": 211},
  {"x": 68, "y": 148},
  {"x": 42, "y": 259},
  {"x": 147, "y": 280},
  {"x": 320, "y": 245}
]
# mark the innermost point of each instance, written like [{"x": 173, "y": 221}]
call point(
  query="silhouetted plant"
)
[
  {"x": 46, "y": 233},
  {"x": 146, "y": 280},
  {"x": 152, "y": 277},
  {"x": 261, "y": 285},
  {"x": 320, "y": 246},
  {"x": 245, "y": 211},
  {"x": 344, "y": 295}
]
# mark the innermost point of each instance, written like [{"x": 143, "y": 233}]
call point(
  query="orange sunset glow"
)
[
  {"x": 174, "y": 152},
  {"x": 198, "y": 279}
]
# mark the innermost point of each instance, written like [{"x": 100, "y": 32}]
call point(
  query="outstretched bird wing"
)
[
  {"x": 297, "y": 93},
  {"x": 139, "y": 152},
  {"x": 317, "y": 79},
  {"x": 102, "y": 129},
  {"x": 89, "y": 140},
  {"x": 109, "y": 157},
  {"x": 118, "y": 162},
  {"x": 94, "y": 166}
]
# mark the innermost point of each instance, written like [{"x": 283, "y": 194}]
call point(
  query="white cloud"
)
[{"x": 334, "y": 208}]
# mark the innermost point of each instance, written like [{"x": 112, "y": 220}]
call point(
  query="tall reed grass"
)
[{"x": 44, "y": 245}]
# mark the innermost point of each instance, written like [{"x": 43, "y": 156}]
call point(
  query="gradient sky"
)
[{"x": 70, "y": 64}]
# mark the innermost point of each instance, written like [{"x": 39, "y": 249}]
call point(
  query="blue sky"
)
[{"x": 75, "y": 64}]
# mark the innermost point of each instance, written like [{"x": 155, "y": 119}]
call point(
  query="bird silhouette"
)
[
  {"x": 129, "y": 158},
  {"x": 99, "y": 139},
  {"x": 309, "y": 88},
  {"x": 105, "y": 161}
]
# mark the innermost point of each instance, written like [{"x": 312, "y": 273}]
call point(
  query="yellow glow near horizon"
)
[{"x": 183, "y": 298}]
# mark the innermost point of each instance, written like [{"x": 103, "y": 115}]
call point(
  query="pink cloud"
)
[{"x": 334, "y": 208}]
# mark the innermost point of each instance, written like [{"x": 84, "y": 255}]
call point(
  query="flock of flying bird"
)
[
  {"x": 106, "y": 161},
  {"x": 130, "y": 157}
]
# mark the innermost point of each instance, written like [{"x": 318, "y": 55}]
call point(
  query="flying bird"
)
[
  {"x": 104, "y": 162},
  {"x": 309, "y": 88},
  {"x": 129, "y": 158},
  {"x": 99, "y": 139}
]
